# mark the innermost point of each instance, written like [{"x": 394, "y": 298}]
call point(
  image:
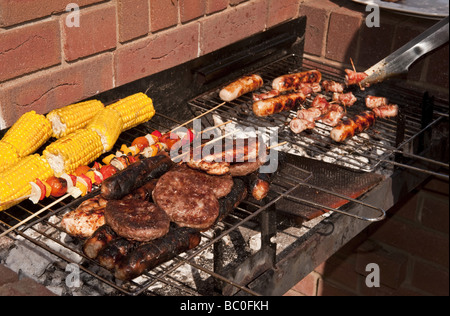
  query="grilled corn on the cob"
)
[
  {"x": 108, "y": 124},
  {"x": 15, "y": 181},
  {"x": 29, "y": 133},
  {"x": 73, "y": 117},
  {"x": 78, "y": 148},
  {"x": 134, "y": 109},
  {"x": 8, "y": 155}
]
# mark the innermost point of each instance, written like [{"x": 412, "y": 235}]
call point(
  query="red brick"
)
[
  {"x": 133, "y": 19},
  {"x": 380, "y": 38},
  {"x": 384, "y": 290},
  {"x": 408, "y": 207},
  {"x": 191, "y": 9},
  {"x": 29, "y": 48},
  {"x": 317, "y": 14},
  {"x": 236, "y": 2},
  {"x": 163, "y": 14},
  {"x": 7, "y": 275},
  {"x": 292, "y": 293},
  {"x": 280, "y": 11},
  {"x": 25, "y": 287},
  {"x": 340, "y": 271},
  {"x": 57, "y": 87},
  {"x": 215, "y": 5},
  {"x": 437, "y": 186},
  {"x": 414, "y": 239},
  {"x": 392, "y": 264},
  {"x": 14, "y": 12},
  {"x": 326, "y": 288},
  {"x": 308, "y": 286},
  {"x": 224, "y": 28},
  {"x": 145, "y": 57},
  {"x": 343, "y": 33},
  {"x": 435, "y": 213},
  {"x": 96, "y": 33},
  {"x": 438, "y": 67},
  {"x": 427, "y": 277}
]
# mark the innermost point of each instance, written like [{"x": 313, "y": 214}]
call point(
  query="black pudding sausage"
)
[
  {"x": 117, "y": 249},
  {"x": 229, "y": 202},
  {"x": 135, "y": 176},
  {"x": 151, "y": 254}
]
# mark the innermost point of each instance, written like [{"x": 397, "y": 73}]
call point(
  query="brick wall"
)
[
  {"x": 45, "y": 64},
  {"x": 411, "y": 248}
]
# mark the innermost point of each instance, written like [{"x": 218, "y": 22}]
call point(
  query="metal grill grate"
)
[
  {"x": 204, "y": 265},
  {"x": 365, "y": 151}
]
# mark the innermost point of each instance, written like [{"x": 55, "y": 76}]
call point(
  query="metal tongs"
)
[{"x": 399, "y": 61}]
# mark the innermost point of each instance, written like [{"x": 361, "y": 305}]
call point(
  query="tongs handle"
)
[{"x": 400, "y": 61}]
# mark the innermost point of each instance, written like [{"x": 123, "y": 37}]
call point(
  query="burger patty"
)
[
  {"x": 190, "y": 197},
  {"x": 136, "y": 219}
]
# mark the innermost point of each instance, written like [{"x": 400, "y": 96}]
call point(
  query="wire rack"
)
[{"x": 366, "y": 151}]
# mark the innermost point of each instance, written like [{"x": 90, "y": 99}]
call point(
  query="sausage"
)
[
  {"x": 228, "y": 203},
  {"x": 151, "y": 254},
  {"x": 143, "y": 193},
  {"x": 135, "y": 176},
  {"x": 114, "y": 251},
  {"x": 278, "y": 104},
  {"x": 351, "y": 126},
  {"x": 294, "y": 81},
  {"x": 258, "y": 185},
  {"x": 240, "y": 87},
  {"x": 267, "y": 95},
  {"x": 98, "y": 241}
]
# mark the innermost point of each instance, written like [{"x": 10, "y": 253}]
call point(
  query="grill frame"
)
[{"x": 262, "y": 217}]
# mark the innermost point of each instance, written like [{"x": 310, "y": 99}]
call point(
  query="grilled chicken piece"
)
[{"x": 85, "y": 219}]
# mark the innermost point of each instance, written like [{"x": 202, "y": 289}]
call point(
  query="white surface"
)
[{"x": 423, "y": 8}]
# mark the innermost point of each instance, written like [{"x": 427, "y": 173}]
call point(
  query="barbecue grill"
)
[{"x": 322, "y": 195}]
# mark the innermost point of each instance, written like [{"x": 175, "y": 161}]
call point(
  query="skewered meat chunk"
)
[
  {"x": 352, "y": 77},
  {"x": 333, "y": 116},
  {"x": 310, "y": 114},
  {"x": 333, "y": 86},
  {"x": 299, "y": 125},
  {"x": 345, "y": 99},
  {"x": 385, "y": 111},
  {"x": 374, "y": 102}
]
